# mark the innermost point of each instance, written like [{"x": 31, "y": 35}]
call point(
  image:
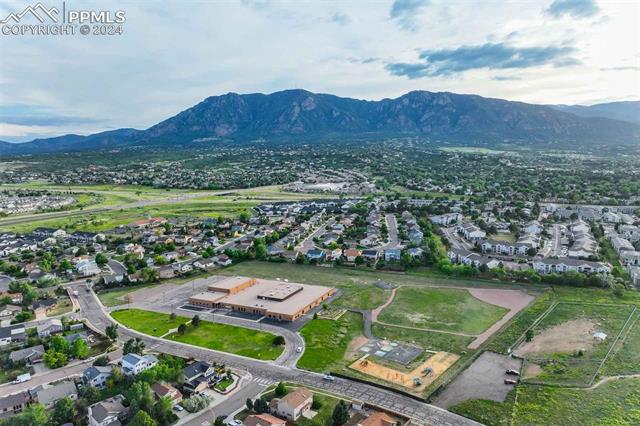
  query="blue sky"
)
[{"x": 173, "y": 54}]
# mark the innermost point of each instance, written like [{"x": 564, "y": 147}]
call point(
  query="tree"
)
[
  {"x": 101, "y": 361},
  {"x": 59, "y": 344},
  {"x": 340, "y": 414},
  {"x": 172, "y": 316},
  {"x": 101, "y": 259},
  {"x": 65, "y": 265},
  {"x": 112, "y": 331},
  {"x": 278, "y": 341},
  {"x": 181, "y": 329},
  {"x": 162, "y": 411},
  {"x": 64, "y": 411},
  {"x": 53, "y": 359},
  {"x": 80, "y": 349},
  {"x": 195, "y": 321},
  {"x": 34, "y": 414},
  {"x": 135, "y": 346},
  {"x": 140, "y": 398},
  {"x": 90, "y": 393},
  {"x": 219, "y": 421},
  {"x": 528, "y": 336},
  {"x": 249, "y": 404},
  {"x": 281, "y": 390},
  {"x": 141, "y": 418}
]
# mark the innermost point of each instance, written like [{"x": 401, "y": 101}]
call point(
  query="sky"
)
[{"x": 173, "y": 54}]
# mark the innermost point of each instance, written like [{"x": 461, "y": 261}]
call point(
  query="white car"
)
[
  {"x": 299, "y": 349},
  {"x": 328, "y": 377}
]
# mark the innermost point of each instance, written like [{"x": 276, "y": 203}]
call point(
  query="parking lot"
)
[{"x": 484, "y": 379}]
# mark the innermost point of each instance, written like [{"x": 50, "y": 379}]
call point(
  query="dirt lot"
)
[
  {"x": 484, "y": 379},
  {"x": 438, "y": 363},
  {"x": 567, "y": 337}
]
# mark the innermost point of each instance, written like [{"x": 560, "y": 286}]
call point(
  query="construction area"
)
[{"x": 416, "y": 380}]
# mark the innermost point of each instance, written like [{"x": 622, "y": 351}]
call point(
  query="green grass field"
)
[
  {"x": 430, "y": 340},
  {"x": 220, "y": 337},
  {"x": 361, "y": 296},
  {"x": 441, "y": 309},
  {"x": 235, "y": 340},
  {"x": 625, "y": 358},
  {"x": 327, "y": 341},
  {"x": 115, "y": 296},
  {"x": 147, "y": 322}
]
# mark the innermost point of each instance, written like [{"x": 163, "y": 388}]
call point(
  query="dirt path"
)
[
  {"x": 375, "y": 312},
  {"x": 514, "y": 300},
  {"x": 456, "y": 333},
  {"x": 612, "y": 378}
]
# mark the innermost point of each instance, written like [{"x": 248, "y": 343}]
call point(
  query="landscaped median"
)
[{"x": 209, "y": 335}]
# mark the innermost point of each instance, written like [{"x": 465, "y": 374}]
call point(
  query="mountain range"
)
[{"x": 292, "y": 115}]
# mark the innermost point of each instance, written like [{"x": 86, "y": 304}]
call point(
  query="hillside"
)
[{"x": 298, "y": 114}]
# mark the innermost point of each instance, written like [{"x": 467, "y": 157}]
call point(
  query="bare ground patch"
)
[{"x": 567, "y": 337}]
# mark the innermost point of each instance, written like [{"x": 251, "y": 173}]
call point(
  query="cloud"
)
[
  {"x": 573, "y": 8},
  {"x": 505, "y": 78},
  {"x": 404, "y": 13},
  {"x": 622, "y": 68},
  {"x": 30, "y": 115},
  {"x": 487, "y": 56},
  {"x": 340, "y": 18}
]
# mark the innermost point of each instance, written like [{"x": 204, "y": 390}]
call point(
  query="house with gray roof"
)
[
  {"x": 32, "y": 355},
  {"x": 49, "y": 395},
  {"x": 96, "y": 376},
  {"x": 109, "y": 412},
  {"x": 11, "y": 405}
]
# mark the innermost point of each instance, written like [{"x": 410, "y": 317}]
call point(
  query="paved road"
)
[
  {"x": 308, "y": 244},
  {"x": 49, "y": 376},
  {"x": 421, "y": 412},
  {"x": 392, "y": 227}
]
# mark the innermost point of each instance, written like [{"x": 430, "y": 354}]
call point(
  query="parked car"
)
[
  {"x": 178, "y": 408},
  {"x": 328, "y": 377},
  {"x": 510, "y": 382},
  {"x": 512, "y": 372}
]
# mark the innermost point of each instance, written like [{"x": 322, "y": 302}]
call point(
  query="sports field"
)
[{"x": 441, "y": 309}]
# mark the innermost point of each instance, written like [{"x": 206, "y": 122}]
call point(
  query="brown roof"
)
[
  {"x": 352, "y": 252},
  {"x": 164, "y": 389},
  {"x": 263, "y": 420},
  {"x": 297, "y": 397},
  {"x": 378, "y": 419}
]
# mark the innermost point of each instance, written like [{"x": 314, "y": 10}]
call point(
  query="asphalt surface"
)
[
  {"x": 421, "y": 412},
  {"x": 392, "y": 227}
]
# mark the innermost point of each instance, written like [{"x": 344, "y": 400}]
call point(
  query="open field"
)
[
  {"x": 220, "y": 337},
  {"x": 563, "y": 349},
  {"x": 327, "y": 342},
  {"x": 360, "y": 296},
  {"x": 147, "y": 322},
  {"x": 115, "y": 296},
  {"x": 625, "y": 357},
  {"x": 441, "y": 309},
  {"x": 235, "y": 340}
]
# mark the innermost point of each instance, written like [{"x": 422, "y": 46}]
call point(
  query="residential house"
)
[
  {"x": 264, "y": 420},
  {"x": 415, "y": 252},
  {"x": 620, "y": 244},
  {"x": 630, "y": 258},
  {"x": 12, "y": 334},
  {"x": 352, "y": 254},
  {"x": 29, "y": 356},
  {"x": 316, "y": 255},
  {"x": 223, "y": 260},
  {"x": 133, "y": 364},
  {"x": 14, "y": 404},
  {"x": 96, "y": 376},
  {"x": 533, "y": 227},
  {"x": 198, "y": 376},
  {"x": 392, "y": 254},
  {"x": 50, "y": 327},
  {"x": 162, "y": 390},
  {"x": 370, "y": 255},
  {"x": 471, "y": 232},
  {"x": 87, "y": 268},
  {"x": 378, "y": 418},
  {"x": 49, "y": 395},
  {"x": 294, "y": 404},
  {"x": 109, "y": 412}
]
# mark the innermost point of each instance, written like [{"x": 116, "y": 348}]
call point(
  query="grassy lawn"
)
[
  {"x": 613, "y": 403},
  {"x": 490, "y": 413},
  {"x": 147, "y": 322},
  {"x": 625, "y": 358},
  {"x": 235, "y": 340},
  {"x": 327, "y": 342},
  {"x": 223, "y": 384},
  {"x": 323, "y": 417},
  {"x": 115, "y": 296},
  {"x": 361, "y": 296},
  {"x": 62, "y": 307},
  {"x": 441, "y": 309},
  {"x": 430, "y": 340}
]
